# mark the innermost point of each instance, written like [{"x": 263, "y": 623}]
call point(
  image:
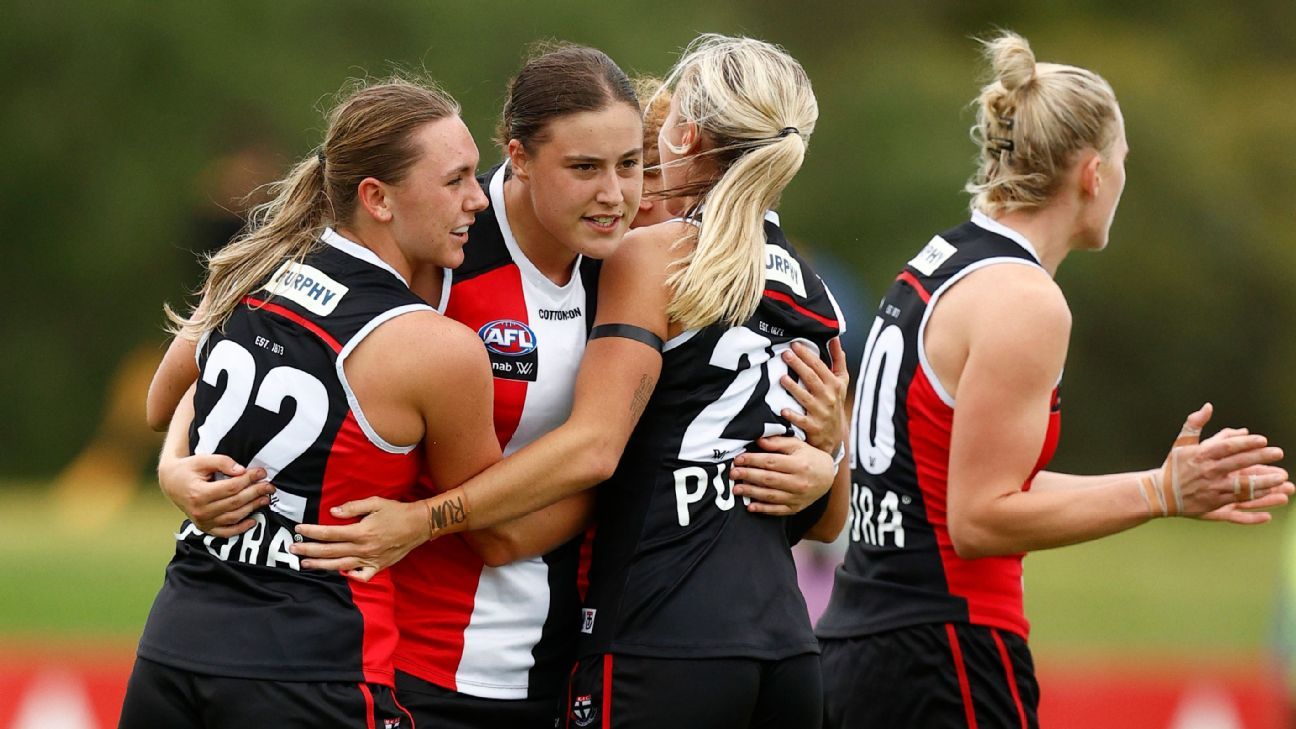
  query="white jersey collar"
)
[
  {"x": 994, "y": 226},
  {"x": 355, "y": 250},
  {"x": 524, "y": 264}
]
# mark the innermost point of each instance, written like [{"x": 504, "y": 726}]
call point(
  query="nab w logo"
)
[
  {"x": 508, "y": 337},
  {"x": 525, "y": 368}
]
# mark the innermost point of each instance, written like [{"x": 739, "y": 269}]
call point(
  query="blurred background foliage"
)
[{"x": 114, "y": 114}]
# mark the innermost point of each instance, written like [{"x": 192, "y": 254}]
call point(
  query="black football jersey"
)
[
  {"x": 901, "y": 568},
  {"x": 681, "y": 569},
  {"x": 272, "y": 393}
]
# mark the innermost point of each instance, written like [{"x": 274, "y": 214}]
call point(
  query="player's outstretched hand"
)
[
  {"x": 386, "y": 531},
  {"x": 1254, "y": 511},
  {"x": 785, "y": 478},
  {"x": 821, "y": 391},
  {"x": 215, "y": 492},
  {"x": 1200, "y": 477}
]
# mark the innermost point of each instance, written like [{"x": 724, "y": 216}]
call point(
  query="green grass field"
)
[{"x": 1175, "y": 587}]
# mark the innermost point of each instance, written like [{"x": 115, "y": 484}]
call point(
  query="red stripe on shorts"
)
[
  {"x": 607, "y": 691},
  {"x": 961, "y": 669},
  {"x": 369, "y": 705},
  {"x": 1010, "y": 675}
]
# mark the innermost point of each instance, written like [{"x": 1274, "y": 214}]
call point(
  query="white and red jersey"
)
[
  {"x": 503, "y": 632},
  {"x": 901, "y": 569}
]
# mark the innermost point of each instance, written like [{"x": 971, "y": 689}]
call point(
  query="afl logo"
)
[{"x": 508, "y": 337}]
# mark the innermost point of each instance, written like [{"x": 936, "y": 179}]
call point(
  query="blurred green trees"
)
[{"x": 113, "y": 110}]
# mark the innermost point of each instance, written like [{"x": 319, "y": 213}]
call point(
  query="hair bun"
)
[{"x": 1011, "y": 59}]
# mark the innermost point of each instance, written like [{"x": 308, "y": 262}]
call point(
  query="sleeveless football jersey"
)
[
  {"x": 900, "y": 568},
  {"x": 680, "y": 568},
  {"x": 272, "y": 392},
  {"x": 503, "y": 632}
]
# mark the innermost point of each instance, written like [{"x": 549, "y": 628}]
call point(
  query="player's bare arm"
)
[
  {"x": 410, "y": 376},
  {"x": 833, "y": 520},
  {"x": 213, "y": 491},
  {"x": 219, "y": 507},
  {"x": 534, "y": 534},
  {"x": 616, "y": 376},
  {"x": 177, "y": 371},
  {"x": 1014, "y": 355},
  {"x": 1254, "y": 510}
]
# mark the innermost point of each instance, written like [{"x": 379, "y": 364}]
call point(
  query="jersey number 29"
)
[{"x": 704, "y": 440}]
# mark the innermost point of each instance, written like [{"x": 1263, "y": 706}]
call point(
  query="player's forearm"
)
[
  {"x": 535, "y": 534},
  {"x": 1051, "y": 481},
  {"x": 833, "y": 520},
  {"x": 176, "y": 445},
  {"x": 1027, "y": 521},
  {"x": 563, "y": 462},
  {"x": 177, "y": 372}
]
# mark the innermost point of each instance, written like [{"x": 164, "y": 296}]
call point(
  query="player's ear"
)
[
  {"x": 1090, "y": 180},
  {"x": 683, "y": 137},
  {"x": 372, "y": 196},
  {"x": 519, "y": 160}
]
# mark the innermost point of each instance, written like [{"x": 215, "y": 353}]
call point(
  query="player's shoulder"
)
[
  {"x": 1008, "y": 303},
  {"x": 654, "y": 245},
  {"x": 425, "y": 341}
]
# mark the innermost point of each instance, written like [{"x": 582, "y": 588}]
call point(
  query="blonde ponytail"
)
[{"x": 754, "y": 104}]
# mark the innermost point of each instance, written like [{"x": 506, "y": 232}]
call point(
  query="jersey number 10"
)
[{"x": 873, "y": 423}]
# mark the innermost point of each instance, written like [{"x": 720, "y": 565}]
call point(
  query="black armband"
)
[{"x": 627, "y": 331}]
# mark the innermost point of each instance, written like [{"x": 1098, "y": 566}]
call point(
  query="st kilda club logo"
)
[
  {"x": 512, "y": 348},
  {"x": 583, "y": 711}
]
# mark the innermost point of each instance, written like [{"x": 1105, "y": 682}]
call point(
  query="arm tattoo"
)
[
  {"x": 641, "y": 395},
  {"x": 450, "y": 512}
]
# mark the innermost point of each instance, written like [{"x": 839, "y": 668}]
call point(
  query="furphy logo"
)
[
  {"x": 781, "y": 267},
  {"x": 308, "y": 286},
  {"x": 508, "y": 337},
  {"x": 930, "y": 258}
]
